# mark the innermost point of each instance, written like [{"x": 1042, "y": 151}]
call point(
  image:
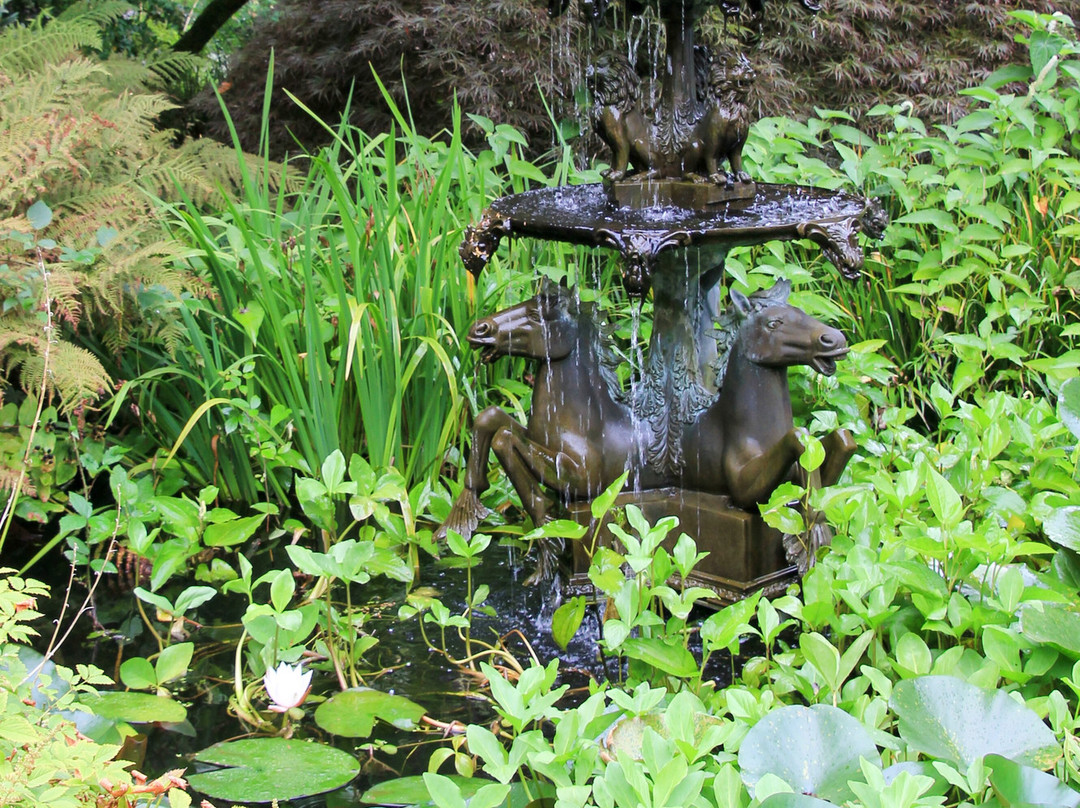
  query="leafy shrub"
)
[
  {"x": 975, "y": 282},
  {"x": 498, "y": 59},
  {"x": 44, "y": 758},
  {"x": 853, "y": 56}
]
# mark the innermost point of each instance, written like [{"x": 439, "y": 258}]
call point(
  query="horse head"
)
[
  {"x": 774, "y": 333},
  {"x": 544, "y": 327}
]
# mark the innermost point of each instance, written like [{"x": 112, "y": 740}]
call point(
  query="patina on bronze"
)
[{"x": 706, "y": 429}]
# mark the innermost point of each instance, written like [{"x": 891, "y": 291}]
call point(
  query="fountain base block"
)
[
  {"x": 745, "y": 554},
  {"x": 667, "y": 193}
]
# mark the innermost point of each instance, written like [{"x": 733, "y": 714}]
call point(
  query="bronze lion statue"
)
[
  {"x": 617, "y": 115},
  {"x": 726, "y": 123}
]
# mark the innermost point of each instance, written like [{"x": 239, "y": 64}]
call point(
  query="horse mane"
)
[{"x": 606, "y": 355}]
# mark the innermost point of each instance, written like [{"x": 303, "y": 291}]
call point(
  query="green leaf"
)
[
  {"x": 138, "y": 674},
  {"x": 1063, "y": 526},
  {"x": 352, "y": 713},
  {"x": 822, "y": 655},
  {"x": 106, "y": 236},
  {"x": 1016, "y": 784},
  {"x": 232, "y": 532},
  {"x": 1053, "y": 624},
  {"x": 815, "y": 750},
  {"x": 1043, "y": 46},
  {"x": 268, "y": 769},
  {"x": 333, "y": 471},
  {"x": 192, "y": 598},
  {"x": 281, "y": 590},
  {"x": 602, "y": 504},
  {"x": 172, "y": 662},
  {"x": 39, "y": 215},
  {"x": 944, "y": 500},
  {"x": 948, "y": 719},
  {"x": 444, "y": 793},
  {"x": 567, "y": 620},
  {"x": 135, "y": 708},
  {"x": 667, "y": 655}
]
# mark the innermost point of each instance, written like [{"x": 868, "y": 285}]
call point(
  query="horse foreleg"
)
[
  {"x": 467, "y": 510},
  {"x": 839, "y": 446},
  {"x": 530, "y": 466},
  {"x": 752, "y": 480}
]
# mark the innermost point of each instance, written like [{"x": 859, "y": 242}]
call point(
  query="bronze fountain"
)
[{"x": 707, "y": 432}]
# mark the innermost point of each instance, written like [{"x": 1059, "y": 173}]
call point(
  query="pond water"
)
[{"x": 401, "y": 663}]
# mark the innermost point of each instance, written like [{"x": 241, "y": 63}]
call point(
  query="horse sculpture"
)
[{"x": 581, "y": 435}]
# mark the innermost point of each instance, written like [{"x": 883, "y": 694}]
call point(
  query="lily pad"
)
[
  {"x": 413, "y": 791},
  {"x": 352, "y": 713},
  {"x": 795, "y": 801},
  {"x": 946, "y": 718},
  {"x": 136, "y": 708},
  {"x": 815, "y": 750},
  {"x": 268, "y": 769},
  {"x": 1016, "y": 784},
  {"x": 1053, "y": 624}
]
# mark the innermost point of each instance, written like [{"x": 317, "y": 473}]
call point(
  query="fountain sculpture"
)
[{"x": 706, "y": 431}]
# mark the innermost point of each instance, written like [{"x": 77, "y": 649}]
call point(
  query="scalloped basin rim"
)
[{"x": 583, "y": 214}]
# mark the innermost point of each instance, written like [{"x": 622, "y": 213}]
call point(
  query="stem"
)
[{"x": 9, "y": 509}]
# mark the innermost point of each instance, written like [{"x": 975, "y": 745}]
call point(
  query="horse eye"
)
[{"x": 772, "y": 325}]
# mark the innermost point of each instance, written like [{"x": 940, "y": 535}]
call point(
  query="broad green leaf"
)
[
  {"x": 667, "y": 655},
  {"x": 602, "y": 504},
  {"x": 1016, "y": 784},
  {"x": 822, "y": 655},
  {"x": 944, "y": 500},
  {"x": 1063, "y": 526},
  {"x": 232, "y": 532},
  {"x": 268, "y": 769},
  {"x": 333, "y": 471},
  {"x": 193, "y": 597},
  {"x": 1068, "y": 405},
  {"x": 443, "y": 792},
  {"x": 135, "y": 708},
  {"x": 172, "y": 662},
  {"x": 946, "y": 718},
  {"x": 567, "y": 620},
  {"x": 815, "y": 750},
  {"x": 39, "y": 215},
  {"x": 352, "y": 713},
  {"x": 1053, "y": 624},
  {"x": 138, "y": 674},
  {"x": 281, "y": 590}
]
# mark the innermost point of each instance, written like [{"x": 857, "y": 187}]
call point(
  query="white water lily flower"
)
[{"x": 287, "y": 686}]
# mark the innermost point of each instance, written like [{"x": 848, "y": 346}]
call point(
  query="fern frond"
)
[
  {"x": 74, "y": 375},
  {"x": 99, "y": 12},
  {"x": 28, "y": 49}
]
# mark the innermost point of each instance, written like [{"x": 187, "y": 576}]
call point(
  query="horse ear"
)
[
  {"x": 741, "y": 302},
  {"x": 780, "y": 291}
]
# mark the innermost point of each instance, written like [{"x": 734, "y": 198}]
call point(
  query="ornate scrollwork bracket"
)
[
  {"x": 639, "y": 252},
  {"x": 839, "y": 239}
]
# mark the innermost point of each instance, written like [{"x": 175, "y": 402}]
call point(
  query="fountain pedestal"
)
[{"x": 744, "y": 554}]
